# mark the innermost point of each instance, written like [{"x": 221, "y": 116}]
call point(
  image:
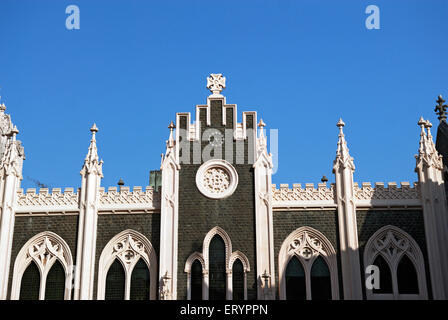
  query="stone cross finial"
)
[
  {"x": 441, "y": 108},
  {"x": 216, "y": 83}
]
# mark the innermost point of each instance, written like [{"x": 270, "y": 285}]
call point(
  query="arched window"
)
[
  {"x": 400, "y": 262},
  {"x": 30, "y": 286},
  {"x": 407, "y": 277},
  {"x": 307, "y": 266},
  {"x": 320, "y": 280},
  {"x": 217, "y": 269},
  {"x": 220, "y": 269},
  {"x": 196, "y": 280},
  {"x": 295, "y": 280},
  {"x": 238, "y": 280},
  {"x": 140, "y": 281},
  {"x": 55, "y": 286},
  {"x": 130, "y": 250},
  {"x": 385, "y": 276},
  {"x": 45, "y": 258},
  {"x": 115, "y": 282}
]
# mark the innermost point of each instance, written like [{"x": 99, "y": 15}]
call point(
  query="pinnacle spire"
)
[
  {"x": 342, "y": 153},
  {"x": 427, "y": 152},
  {"x": 92, "y": 162}
]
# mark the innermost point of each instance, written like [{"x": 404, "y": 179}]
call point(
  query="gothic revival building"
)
[{"x": 213, "y": 226}]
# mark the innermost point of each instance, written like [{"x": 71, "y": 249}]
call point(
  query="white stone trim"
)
[
  {"x": 33, "y": 251},
  {"x": 403, "y": 244},
  {"x": 125, "y": 242},
  {"x": 307, "y": 238},
  {"x": 224, "y": 165}
]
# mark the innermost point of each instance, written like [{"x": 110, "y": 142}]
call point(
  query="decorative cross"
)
[
  {"x": 441, "y": 108},
  {"x": 216, "y": 83},
  {"x": 128, "y": 255},
  {"x": 306, "y": 253}
]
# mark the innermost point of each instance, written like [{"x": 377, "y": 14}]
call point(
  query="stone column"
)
[
  {"x": 11, "y": 161},
  {"x": 169, "y": 217},
  {"x": 91, "y": 174},
  {"x": 429, "y": 167},
  {"x": 263, "y": 219},
  {"x": 343, "y": 168}
]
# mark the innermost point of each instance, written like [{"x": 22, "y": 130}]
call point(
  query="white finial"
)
[
  {"x": 341, "y": 125},
  {"x": 216, "y": 83},
  {"x": 171, "y": 140}
]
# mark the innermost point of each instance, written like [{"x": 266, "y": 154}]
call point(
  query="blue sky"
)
[{"x": 301, "y": 64}]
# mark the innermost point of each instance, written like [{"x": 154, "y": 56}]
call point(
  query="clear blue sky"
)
[{"x": 300, "y": 64}]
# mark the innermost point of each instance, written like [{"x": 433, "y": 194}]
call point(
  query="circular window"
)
[{"x": 216, "y": 179}]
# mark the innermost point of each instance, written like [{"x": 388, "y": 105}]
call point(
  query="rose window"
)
[{"x": 216, "y": 180}]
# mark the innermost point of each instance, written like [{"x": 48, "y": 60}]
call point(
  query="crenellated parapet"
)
[
  {"x": 309, "y": 196},
  {"x": 113, "y": 200},
  {"x": 125, "y": 199},
  {"x": 365, "y": 195},
  {"x": 406, "y": 195},
  {"x": 31, "y": 201}
]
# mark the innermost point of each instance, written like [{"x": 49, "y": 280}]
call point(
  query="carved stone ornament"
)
[
  {"x": 216, "y": 83},
  {"x": 216, "y": 179},
  {"x": 306, "y": 246}
]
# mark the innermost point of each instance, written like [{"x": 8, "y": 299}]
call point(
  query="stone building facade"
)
[{"x": 213, "y": 226}]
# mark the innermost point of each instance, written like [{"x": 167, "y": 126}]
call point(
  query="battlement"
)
[
  {"x": 365, "y": 196},
  {"x": 125, "y": 199},
  {"x": 303, "y": 197},
  {"x": 38, "y": 201}
]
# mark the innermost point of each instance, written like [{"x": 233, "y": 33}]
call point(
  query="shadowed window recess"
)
[
  {"x": 196, "y": 281},
  {"x": 30, "y": 286},
  {"x": 320, "y": 280},
  {"x": 407, "y": 277},
  {"x": 238, "y": 280},
  {"x": 140, "y": 282},
  {"x": 217, "y": 269},
  {"x": 55, "y": 286},
  {"x": 115, "y": 282},
  {"x": 295, "y": 280}
]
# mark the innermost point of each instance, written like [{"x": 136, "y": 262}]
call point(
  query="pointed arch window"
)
[
  {"x": 115, "y": 282},
  {"x": 30, "y": 285},
  {"x": 238, "y": 280},
  {"x": 54, "y": 288},
  {"x": 307, "y": 267},
  {"x": 196, "y": 280},
  {"x": 128, "y": 268},
  {"x": 217, "y": 269},
  {"x": 295, "y": 280},
  {"x": 43, "y": 269},
  {"x": 220, "y": 269},
  {"x": 320, "y": 280},
  {"x": 400, "y": 263},
  {"x": 140, "y": 281}
]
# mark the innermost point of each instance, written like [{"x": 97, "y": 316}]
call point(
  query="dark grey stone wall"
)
[
  {"x": 109, "y": 225},
  {"x": 26, "y": 227},
  {"x": 285, "y": 222},
  {"x": 411, "y": 221}
]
